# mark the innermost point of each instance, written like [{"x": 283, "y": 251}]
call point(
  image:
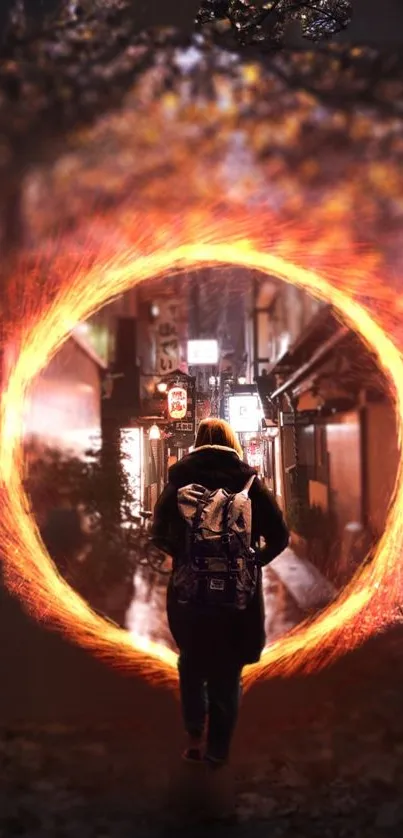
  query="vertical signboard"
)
[
  {"x": 168, "y": 342},
  {"x": 182, "y": 410}
]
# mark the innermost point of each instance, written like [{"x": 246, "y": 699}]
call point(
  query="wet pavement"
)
[
  {"x": 293, "y": 589},
  {"x": 146, "y": 617}
]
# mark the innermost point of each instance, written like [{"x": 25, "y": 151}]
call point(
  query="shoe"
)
[
  {"x": 214, "y": 762},
  {"x": 192, "y": 755}
]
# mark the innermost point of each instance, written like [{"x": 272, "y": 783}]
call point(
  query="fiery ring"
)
[
  {"x": 171, "y": 144},
  {"x": 369, "y": 600}
]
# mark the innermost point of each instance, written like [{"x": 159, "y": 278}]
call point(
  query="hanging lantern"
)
[{"x": 177, "y": 403}]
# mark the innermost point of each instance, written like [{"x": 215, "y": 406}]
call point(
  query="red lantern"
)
[{"x": 177, "y": 403}]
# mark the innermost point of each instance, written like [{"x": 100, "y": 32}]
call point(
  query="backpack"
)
[{"x": 219, "y": 567}]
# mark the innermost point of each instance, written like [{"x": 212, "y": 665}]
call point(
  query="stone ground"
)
[
  {"x": 319, "y": 756},
  {"x": 73, "y": 782}
]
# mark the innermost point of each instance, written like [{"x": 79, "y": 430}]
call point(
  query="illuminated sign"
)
[
  {"x": 202, "y": 352},
  {"x": 177, "y": 403},
  {"x": 254, "y": 454},
  {"x": 244, "y": 413},
  {"x": 131, "y": 447}
]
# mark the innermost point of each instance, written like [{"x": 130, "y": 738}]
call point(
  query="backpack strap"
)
[
  {"x": 244, "y": 492},
  {"x": 248, "y": 485},
  {"x": 191, "y": 535},
  {"x": 199, "y": 510}
]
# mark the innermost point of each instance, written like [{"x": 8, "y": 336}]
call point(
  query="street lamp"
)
[
  {"x": 162, "y": 387},
  {"x": 154, "y": 432}
]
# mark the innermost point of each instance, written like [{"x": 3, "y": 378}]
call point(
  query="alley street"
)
[{"x": 293, "y": 589}]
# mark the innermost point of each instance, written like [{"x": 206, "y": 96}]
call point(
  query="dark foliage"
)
[
  {"x": 266, "y": 23},
  {"x": 79, "y": 505}
]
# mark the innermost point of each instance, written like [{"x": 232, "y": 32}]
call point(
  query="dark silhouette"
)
[{"x": 216, "y": 643}]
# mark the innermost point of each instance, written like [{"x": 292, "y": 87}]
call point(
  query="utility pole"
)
[
  {"x": 118, "y": 410},
  {"x": 194, "y": 309},
  {"x": 255, "y": 327}
]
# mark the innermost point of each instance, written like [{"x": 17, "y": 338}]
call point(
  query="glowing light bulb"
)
[{"x": 154, "y": 432}]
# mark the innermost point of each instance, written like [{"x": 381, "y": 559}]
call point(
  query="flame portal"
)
[{"x": 370, "y": 599}]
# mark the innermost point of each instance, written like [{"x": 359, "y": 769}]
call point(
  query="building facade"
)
[
  {"x": 333, "y": 450},
  {"x": 63, "y": 406}
]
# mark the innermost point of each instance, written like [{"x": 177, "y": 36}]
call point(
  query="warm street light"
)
[
  {"x": 162, "y": 387},
  {"x": 272, "y": 432},
  {"x": 154, "y": 432},
  {"x": 202, "y": 352}
]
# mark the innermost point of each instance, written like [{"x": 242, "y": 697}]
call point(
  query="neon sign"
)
[{"x": 177, "y": 403}]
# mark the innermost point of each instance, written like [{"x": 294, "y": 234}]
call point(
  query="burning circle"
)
[
  {"x": 259, "y": 222},
  {"x": 370, "y": 597}
]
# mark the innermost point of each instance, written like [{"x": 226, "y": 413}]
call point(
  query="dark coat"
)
[{"x": 238, "y": 636}]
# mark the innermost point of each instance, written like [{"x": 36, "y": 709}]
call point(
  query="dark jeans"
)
[{"x": 212, "y": 693}]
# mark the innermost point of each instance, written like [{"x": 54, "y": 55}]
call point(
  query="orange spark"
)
[{"x": 370, "y": 599}]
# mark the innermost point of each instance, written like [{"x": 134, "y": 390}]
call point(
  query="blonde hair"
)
[{"x": 214, "y": 431}]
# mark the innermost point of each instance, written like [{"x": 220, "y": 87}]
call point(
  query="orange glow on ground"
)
[{"x": 367, "y": 604}]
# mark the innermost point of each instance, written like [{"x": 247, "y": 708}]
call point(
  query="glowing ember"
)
[
  {"x": 367, "y": 603},
  {"x": 217, "y": 162}
]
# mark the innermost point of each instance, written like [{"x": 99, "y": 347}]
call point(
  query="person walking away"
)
[{"x": 210, "y": 518}]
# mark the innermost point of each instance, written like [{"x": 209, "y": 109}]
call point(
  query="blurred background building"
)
[{"x": 308, "y": 400}]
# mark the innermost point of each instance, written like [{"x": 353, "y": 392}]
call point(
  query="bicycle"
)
[{"x": 139, "y": 540}]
